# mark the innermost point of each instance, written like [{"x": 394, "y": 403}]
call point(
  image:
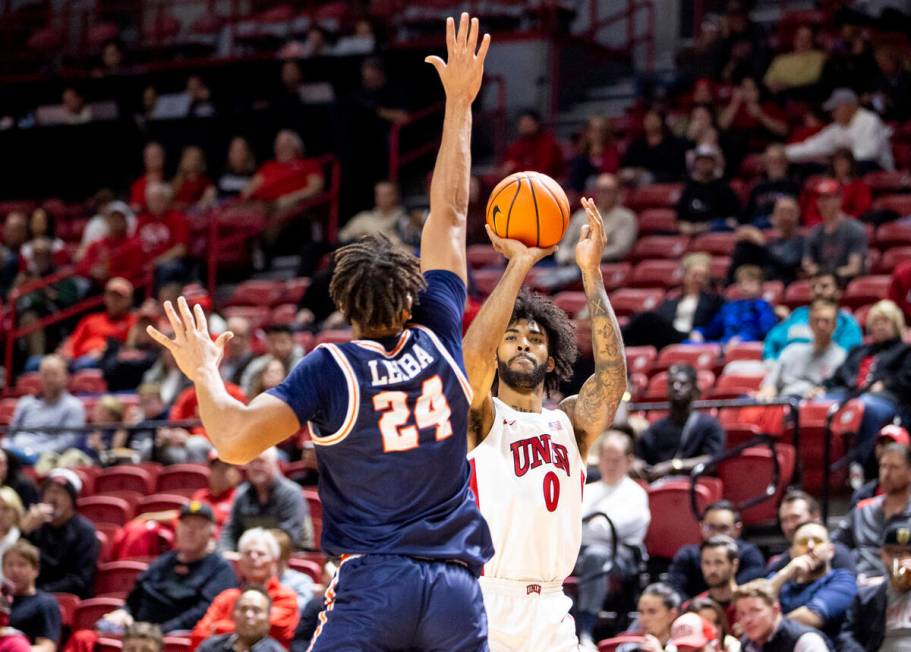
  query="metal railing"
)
[
  {"x": 629, "y": 14},
  {"x": 397, "y": 158}
]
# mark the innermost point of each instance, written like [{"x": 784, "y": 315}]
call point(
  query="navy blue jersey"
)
[{"x": 389, "y": 420}]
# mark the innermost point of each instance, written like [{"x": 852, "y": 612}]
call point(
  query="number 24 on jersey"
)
[{"x": 431, "y": 410}]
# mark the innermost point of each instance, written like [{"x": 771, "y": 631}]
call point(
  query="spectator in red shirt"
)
[
  {"x": 153, "y": 170},
  {"x": 116, "y": 254},
  {"x": 289, "y": 178},
  {"x": 86, "y": 345},
  {"x": 164, "y": 236},
  {"x": 534, "y": 149},
  {"x": 751, "y": 118},
  {"x": 856, "y": 198},
  {"x": 190, "y": 184}
]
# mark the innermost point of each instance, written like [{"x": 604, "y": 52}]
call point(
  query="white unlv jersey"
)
[{"x": 527, "y": 476}]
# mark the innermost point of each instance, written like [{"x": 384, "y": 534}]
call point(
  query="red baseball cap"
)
[
  {"x": 897, "y": 434},
  {"x": 828, "y": 186}
]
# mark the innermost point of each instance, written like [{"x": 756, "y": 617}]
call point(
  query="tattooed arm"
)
[{"x": 592, "y": 409}]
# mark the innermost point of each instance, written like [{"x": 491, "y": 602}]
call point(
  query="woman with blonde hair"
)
[
  {"x": 879, "y": 374},
  {"x": 11, "y": 512}
]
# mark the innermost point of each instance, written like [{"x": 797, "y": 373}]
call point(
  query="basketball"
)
[{"x": 529, "y": 207}]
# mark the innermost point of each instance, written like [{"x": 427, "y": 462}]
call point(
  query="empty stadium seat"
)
[
  {"x": 183, "y": 479},
  {"x": 284, "y": 313},
  {"x": 483, "y": 255},
  {"x": 657, "y": 221},
  {"x": 656, "y": 273},
  {"x": 864, "y": 290},
  {"x": 7, "y": 408},
  {"x": 700, "y": 356},
  {"x": 105, "y": 509},
  {"x": 716, "y": 244},
  {"x": 125, "y": 478},
  {"x": 656, "y": 195},
  {"x": 572, "y": 303},
  {"x": 883, "y": 182},
  {"x": 628, "y": 301},
  {"x": 735, "y": 385},
  {"x": 797, "y": 294},
  {"x": 311, "y": 568},
  {"x": 673, "y": 523},
  {"x": 161, "y": 503},
  {"x": 88, "y": 381},
  {"x": 901, "y": 204},
  {"x": 89, "y": 611},
  {"x": 891, "y": 258},
  {"x": 294, "y": 289},
  {"x": 256, "y": 293},
  {"x": 893, "y": 234},
  {"x": 812, "y": 441},
  {"x": 258, "y": 316},
  {"x": 659, "y": 246},
  {"x": 615, "y": 275},
  {"x": 29, "y": 383},
  {"x": 748, "y": 475},
  {"x": 485, "y": 280},
  {"x": 639, "y": 359},
  {"x": 117, "y": 578}
]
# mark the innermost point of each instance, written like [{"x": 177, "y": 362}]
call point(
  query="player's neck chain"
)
[{"x": 520, "y": 409}]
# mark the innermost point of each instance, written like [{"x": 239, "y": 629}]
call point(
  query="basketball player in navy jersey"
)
[{"x": 388, "y": 414}]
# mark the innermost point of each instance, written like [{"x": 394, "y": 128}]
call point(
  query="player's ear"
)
[{"x": 551, "y": 364}]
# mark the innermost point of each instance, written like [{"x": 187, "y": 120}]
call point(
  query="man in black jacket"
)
[
  {"x": 179, "y": 585},
  {"x": 880, "y": 616},
  {"x": 67, "y": 540},
  {"x": 764, "y": 627}
]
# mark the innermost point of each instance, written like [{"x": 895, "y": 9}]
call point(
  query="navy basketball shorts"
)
[{"x": 378, "y": 603}]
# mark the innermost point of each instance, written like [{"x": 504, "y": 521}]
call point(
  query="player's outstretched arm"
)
[
  {"x": 443, "y": 238},
  {"x": 479, "y": 346},
  {"x": 239, "y": 432},
  {"x": 592, "y": 409}
]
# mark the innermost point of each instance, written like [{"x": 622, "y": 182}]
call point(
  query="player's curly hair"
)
[
  {"x": 375, "y": 281},
  {"x": 561, "y": 338}
]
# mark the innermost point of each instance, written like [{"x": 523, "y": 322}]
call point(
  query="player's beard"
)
[{"x": 521, "y": 380}]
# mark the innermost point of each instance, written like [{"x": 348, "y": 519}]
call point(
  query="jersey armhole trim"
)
[
  {"x": 463, "y": 381},
  {"x": 354, "y": 399}
]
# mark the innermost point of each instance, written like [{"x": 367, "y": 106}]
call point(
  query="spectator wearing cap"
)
[
  {"x": 801, "y": 67},
  {"x": 143, "y": 637},
  {"x": 279, "y": 344},
  {"x": 117, "y": 252},
  {"x": 85, "y": 347},
  {"x": 759, "y": 614},
  {"x": 67, "y": 541},
  {"x": 53, "y": 407},
  {"x": 258, "y": 566},
  {"x": 153, "y": 159},
  {"x": 35, "y": 613},
  {"x": 854, "y": 127},
  {"x": 720, "y": 518},
  {"x": 164, "y": 236},
  {"x": 180, "y": 585},
  {"x": 809, "y": 590},
  {"x": 880, "y": 616},
  {"x": 251, "y": 626},
  {"x": 856, "y": 197},
  {"x": 890, "y": 434},
  {"x": 839, "y": 242},
  {"x": 707, "y": 202},
  {"x": 863, "y": 528},
  {"x": 97, "y": 227},
  {"x": 533, "y": 149},
  {"x": 798, "y": 507},
  {"x": 268, "y": 499},
  {"x": 692, "y": 633},
  {"x": 803, "y": 366},
  {"x": 620, "y": 226}
]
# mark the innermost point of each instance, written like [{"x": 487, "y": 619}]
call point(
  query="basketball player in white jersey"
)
[{"x": 528, "y": 465}]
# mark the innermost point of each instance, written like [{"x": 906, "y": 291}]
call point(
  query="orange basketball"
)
[{"x": 529, "y": 207}]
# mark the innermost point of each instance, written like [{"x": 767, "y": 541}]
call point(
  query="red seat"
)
[
  {"x": 716, "y": 244},
  {"x": 611, "y": 644},
  {"x": 866, "y": 289},
  {"x": 258, "y": 316},
  {"x": 88, "y": 381},
  {"x": 91, "y": 610},
  {"x": 125, "y": 478},
  {"x": 106, "y": 532},
  {"x": 183, "y": 479},
  {"x": 772, "y": 292},
  {"x": 485, "y": 280},
  {"x": 615, "y": 275},
  {"x": 797, "y": 294},
  {"x": 256, "y": 293},
  {"x": 315, "y": 506},
  {"x": 311, "y": 568},
  {"x": 657, "y": 221},
  {"x": 294, "y": 290},
  {"x": 285, "y": 313},
  {"x": 882, "y": 182},
  {"x": 639, "y": 359},
  {"x": 338, "y": 336},
  {"x": 483, "y": 255},
  {"x": 892, "y": 258},
  {"x": 901, "y": 204},
  {"x": 67, "y": 603},
  {"x": 161, "y": 503},
  {"x": 105, "y": 509},
  {"x": 893, "y": 234},
  {"x": 718, "y": 267},
  {"x": 735, "y": 385},
  {"x": 29, "y": 383},
  {"x": 812, "y": 441},
  {"x": 749, "y": 474},
  {"x": 177, "y": 644},
  {"x": 860, "y": 315},
  {"x": 7, "y": 408},
  {"x": 656, "y": 273},
  {"x": 117, "y": 578},
  {"x": 659, "y": 246},
  {"x": 657, "y": 386},
  {"x": 700, "y": 356},
  {"x": 629, "y": 301},
  {"x": 107, "y": 644},
  {"x": 673, "y": 523},
  {"x": 656, "y": 195},
  {"x": 572, "y": 303}
]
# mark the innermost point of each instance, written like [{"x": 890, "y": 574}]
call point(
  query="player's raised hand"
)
[
  {"x": 463, "y": 69},
  {"x": 514, "y": 249},
  {"x": 192, "y": 346},
  {"x": 591, "y": 239}
]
